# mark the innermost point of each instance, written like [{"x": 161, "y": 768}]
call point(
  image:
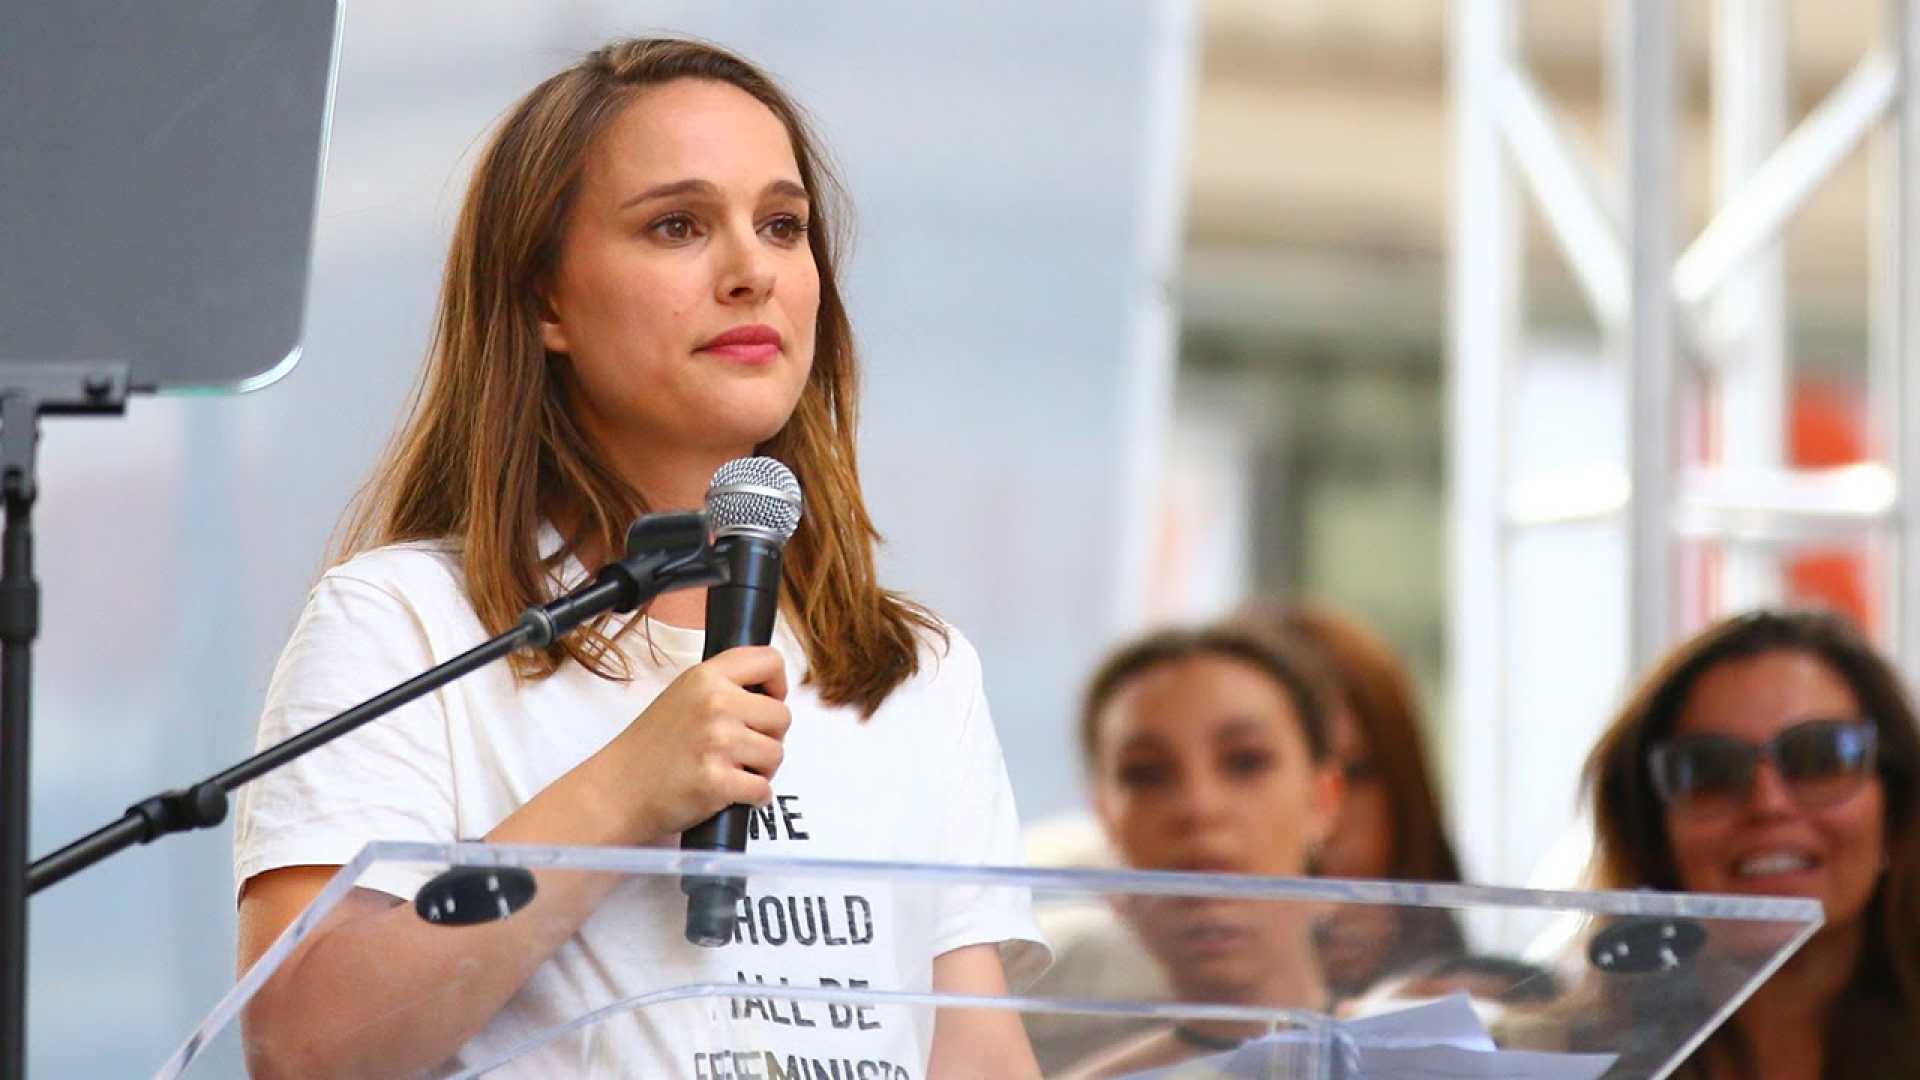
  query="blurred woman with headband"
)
[
  {"x": 642, "y": 286},
  {"x": 1775, "y": 754}
]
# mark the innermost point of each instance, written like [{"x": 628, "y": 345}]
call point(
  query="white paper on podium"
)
[
  {"x": 1453, "y": 1063},
  {"x": 1448, "y": 1021},
  {"x": 1442, "y": 1040}
]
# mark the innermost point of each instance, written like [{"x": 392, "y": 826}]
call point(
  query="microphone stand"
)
[{"x": 664, "y": 552}]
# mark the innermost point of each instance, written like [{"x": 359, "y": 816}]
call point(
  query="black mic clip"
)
[{"x": 665, "y": 552}]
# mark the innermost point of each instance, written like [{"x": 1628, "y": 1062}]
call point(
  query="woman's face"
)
[
  {"x": 1771, "y": 844},
  {"x": 1201, "y": 764},
  {"x": 685, "y": 293}
]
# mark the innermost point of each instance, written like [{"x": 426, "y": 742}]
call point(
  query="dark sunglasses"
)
[{"x": 1822, "y": 761}]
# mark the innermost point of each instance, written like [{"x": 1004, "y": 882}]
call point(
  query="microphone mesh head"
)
[{"x": 754, "y": 494}]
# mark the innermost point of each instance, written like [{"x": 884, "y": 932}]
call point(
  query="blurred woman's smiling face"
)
[
  {"x": 1203, "y": 764},
  {"x": 1773, "y": 841}
]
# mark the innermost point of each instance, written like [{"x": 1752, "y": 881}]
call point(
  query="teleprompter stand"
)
[{"x": 27, "y": 392}]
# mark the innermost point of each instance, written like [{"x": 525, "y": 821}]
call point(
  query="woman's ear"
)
[
  {"x": 553, "y": 334},
  {"x": 1328, "y": 789}
]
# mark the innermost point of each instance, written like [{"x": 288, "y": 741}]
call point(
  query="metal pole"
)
[
  {"x": 1748, "y": 366},
  {"x": 1894, "y": 380},
  {"x": 1646, "y": 44},
  {"x": 1484, "y": 336},
  {"x": 19, "y": 622},
  {"x": 1147, "y": 385}
]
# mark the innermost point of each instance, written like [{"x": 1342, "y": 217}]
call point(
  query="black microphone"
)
[{"x": 753, "y": 507}]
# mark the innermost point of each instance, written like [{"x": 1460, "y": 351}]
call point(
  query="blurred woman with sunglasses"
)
[{"x": 1775, "y": 754}]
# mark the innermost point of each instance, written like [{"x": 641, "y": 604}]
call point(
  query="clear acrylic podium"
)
[{"x": 1157, "y": 975}]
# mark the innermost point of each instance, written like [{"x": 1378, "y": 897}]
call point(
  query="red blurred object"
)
[{"x": 1827, "y": 428}]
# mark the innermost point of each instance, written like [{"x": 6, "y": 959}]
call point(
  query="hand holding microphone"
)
[
  {"x": 753, "y": 506},
  {"x": 710, "y": 740}
]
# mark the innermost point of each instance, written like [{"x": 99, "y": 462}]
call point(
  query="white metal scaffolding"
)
[{"x": 1713, "y": 310}]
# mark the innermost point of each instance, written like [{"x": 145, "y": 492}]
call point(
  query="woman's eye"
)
[
  {"x": 673, "y": 227},
  {"x": 1141, "y": 774},
  {"x": 1248, "y": 762},
  {"x": 786, "y": 229}
]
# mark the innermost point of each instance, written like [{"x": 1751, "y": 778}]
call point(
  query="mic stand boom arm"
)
[{"x": 664, "y": 552}]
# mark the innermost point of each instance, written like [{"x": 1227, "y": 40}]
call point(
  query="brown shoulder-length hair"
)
[
  {"x": 1880, "y": 1008},
  {"x": 490, "y": 449},
  {"x": 1381, "y": 696},
  {"x": 1264, "y": 652}
]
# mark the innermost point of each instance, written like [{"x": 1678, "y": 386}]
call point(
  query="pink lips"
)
[
  {"x": 1212, "y": 937},
  {"x": 754, "y": 344}
]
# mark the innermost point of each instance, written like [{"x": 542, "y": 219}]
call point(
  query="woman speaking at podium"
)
[{"x": 641, "y": 287}]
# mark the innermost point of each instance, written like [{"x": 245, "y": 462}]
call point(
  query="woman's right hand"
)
[{"x": 706, "y": 743}]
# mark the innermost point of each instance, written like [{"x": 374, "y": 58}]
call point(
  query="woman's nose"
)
[
  {"x": 1203, "y": 798},
  {"x": 746, "y": 273},
  {"x": 1770, "y": 794}
]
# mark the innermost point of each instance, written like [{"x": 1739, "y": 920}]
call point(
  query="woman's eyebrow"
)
[
  {"x": 1140, "y": 741},
  {"x": 788, "y": 188},
  {"x": 1240, "y": 724},
  {"x": 671, "y": 187},
  {"x": 696, "y": 186}
]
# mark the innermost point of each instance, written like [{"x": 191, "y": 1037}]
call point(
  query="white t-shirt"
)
[{"x": 921, "y": 780}]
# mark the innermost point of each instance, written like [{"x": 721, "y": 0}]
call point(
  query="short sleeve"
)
[
  {"x": 390, "y": 779},
  {"x": 981, "y": 827}
]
